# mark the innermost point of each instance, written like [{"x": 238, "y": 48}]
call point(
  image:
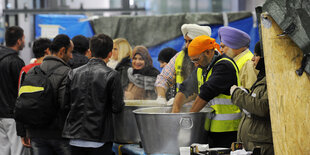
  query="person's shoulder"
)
[
  {"x": 224, "y": 61},
  {"x": 28, "y": 67}
]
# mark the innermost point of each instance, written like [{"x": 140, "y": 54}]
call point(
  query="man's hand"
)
[
  {"x": 170, "y": 102},
  {"x": 26, "y": 141},
  {"x": 178, "y": 102},
  {"x": 161, "y": 100},
  {"x": 161, "y": 91}
]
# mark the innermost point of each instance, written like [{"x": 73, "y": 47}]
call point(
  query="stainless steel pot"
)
[
  {"x": 163, "y": 132},
  {"x": 125, "y": 126}
]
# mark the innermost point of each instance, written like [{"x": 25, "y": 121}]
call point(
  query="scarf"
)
[{"x": 142, "y": 81}]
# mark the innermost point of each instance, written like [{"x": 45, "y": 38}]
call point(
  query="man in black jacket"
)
[
  {"x": 80, "y": 53},
  {"x": 10, "y": 66},
  {"x": 95, "y": 93},
  {"x": 48, "y": 140}
]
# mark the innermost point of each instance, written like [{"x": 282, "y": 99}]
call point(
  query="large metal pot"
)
[
  {"x": 163, "y": 132},
  {"x": 125, "y": 126}
]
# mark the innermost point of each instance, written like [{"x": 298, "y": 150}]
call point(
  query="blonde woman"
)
[
  {"x": 121, "y": 58},
  {"x": 121, "y": 49}
]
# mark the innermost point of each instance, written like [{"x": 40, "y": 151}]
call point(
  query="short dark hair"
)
[
  {"x": 166, "y": 54},
  {"x": 12, "y": 34},
  {"x": 39, "y": 46},
  {"x": 61, "y": 40},
  {"x": 101, "y": 45},
  {"x": 81, "y": 44}
]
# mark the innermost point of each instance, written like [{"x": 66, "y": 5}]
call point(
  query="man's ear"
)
[
  {"x": 88, "y": 54},
  {"x": 62, "y": 52},
  {"x": 19, "y": 42},
  {"x": 209, "y": 52},
  {"x": 47, "y": 51},
  {"x": 110, "y": 55}
]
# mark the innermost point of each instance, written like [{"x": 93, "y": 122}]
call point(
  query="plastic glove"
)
[
  {"x": 161, "y": 100},
  {"x": 170, "y": 102},
  {"x": 244, "y": 89},
  {"x": 232, "y": 89}
]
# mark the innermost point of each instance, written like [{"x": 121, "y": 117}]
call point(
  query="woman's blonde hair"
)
[{"x": 124, "y": 48}]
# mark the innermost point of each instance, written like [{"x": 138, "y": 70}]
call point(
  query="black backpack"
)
[{"x": 36, "y": 104}]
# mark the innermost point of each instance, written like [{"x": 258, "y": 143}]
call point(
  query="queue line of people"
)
[{"x": 200, "y": 72}]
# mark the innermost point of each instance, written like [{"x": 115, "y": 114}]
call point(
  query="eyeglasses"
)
[
  {"x": 197, "y": 59},
  {"x": 222, "y": 46},
  {"x": 187, "y": 41}
]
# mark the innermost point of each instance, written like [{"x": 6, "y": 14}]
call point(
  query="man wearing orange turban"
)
[
  {"x": 180, "y": 66},
  {"x": 212, "y": 81}
]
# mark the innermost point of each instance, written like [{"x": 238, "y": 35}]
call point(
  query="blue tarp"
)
[
  {"x": 72, "y": 25},
  {"x": 245, "y": 25}
]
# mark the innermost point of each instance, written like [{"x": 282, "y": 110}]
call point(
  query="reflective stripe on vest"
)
[
  {"x": 178, "y": 69},
  {"x": 29, "y": 89},
  {"x": 240, "y": 62},
  {"x": 227, "y": 116}
]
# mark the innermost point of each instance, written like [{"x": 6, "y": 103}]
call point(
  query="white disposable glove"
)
[
  {"x": 232, "y": 89},
  {"x": 170, "y": 102},
  {"x": 161, "y": 100}
]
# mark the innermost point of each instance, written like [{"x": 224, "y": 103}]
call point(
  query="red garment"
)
[{"x": 24, "y": 71}]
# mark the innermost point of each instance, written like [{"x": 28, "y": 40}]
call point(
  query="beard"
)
[
  {"x": 230, "y": 53},
  {"x": 21, "y": 47},
  {"x": 187, "y": 65}
]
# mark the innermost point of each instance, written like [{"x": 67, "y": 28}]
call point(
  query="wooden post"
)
[{"x": 289, "y": 94}]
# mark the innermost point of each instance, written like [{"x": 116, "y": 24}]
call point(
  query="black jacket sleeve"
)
[
  {"x": 190, "y": 85},
  {"x": 117, "y": 93},
  {"x": 15, "y": 68},
  {"x": 223, "y": 76}
]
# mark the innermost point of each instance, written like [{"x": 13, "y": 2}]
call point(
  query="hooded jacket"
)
[
  {"x": 77, "y": 60},
  {"x": 255, "y": 127},
  {"x": 59, "y": 80},
  {"x": 10, "y": 66}
]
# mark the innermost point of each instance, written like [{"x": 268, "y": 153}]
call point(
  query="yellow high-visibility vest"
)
[
  {"x": 240, "y": 62},
  {"x": 227, "y": 116},
  {"x": 178, "y": 69}
]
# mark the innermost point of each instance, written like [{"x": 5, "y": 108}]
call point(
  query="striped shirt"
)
[{"x": 167, "y": 76}]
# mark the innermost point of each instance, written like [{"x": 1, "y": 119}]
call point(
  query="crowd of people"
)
[{"x": 83, "y": 81}]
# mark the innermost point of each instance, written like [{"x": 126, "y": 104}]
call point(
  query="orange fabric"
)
[{"x": 201, "y": 44}]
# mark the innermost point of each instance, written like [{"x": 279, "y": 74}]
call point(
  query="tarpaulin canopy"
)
[
  {"x": 154, "y": 30},
  {"x": 158, "y": 32},
  {"x": 293, "y": 17}
]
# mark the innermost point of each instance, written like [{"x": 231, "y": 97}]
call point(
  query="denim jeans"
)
[
  {"x": 106, "y": 149},
  {"x": 42, "y": 146}
]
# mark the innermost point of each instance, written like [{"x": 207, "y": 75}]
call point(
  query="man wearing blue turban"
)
[{"x": 235, "y": 44}]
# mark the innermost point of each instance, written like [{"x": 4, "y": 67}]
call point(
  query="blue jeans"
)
[
  {"x": 106, "y": 149},
  {"x": 42, "y": 146}
]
